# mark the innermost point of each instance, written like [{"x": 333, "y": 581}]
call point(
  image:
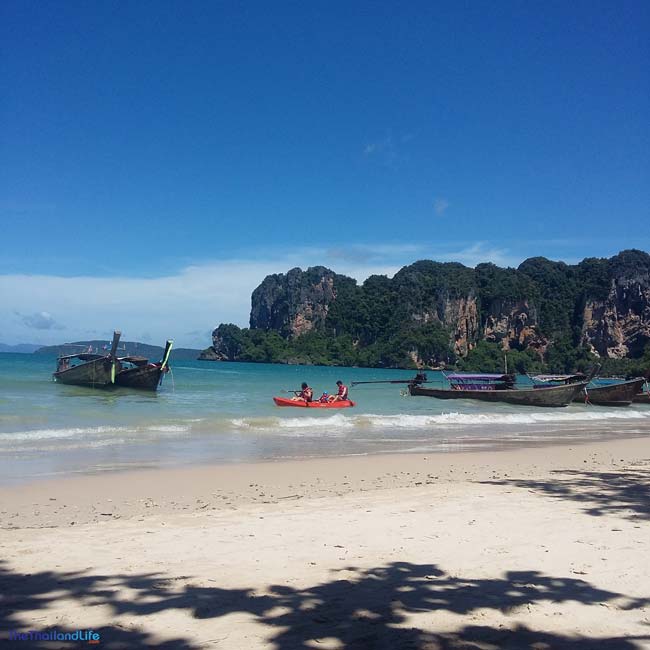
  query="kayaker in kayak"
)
[
  {"x": 306, "y": 394},
  {"x": 342, "y": 393}
]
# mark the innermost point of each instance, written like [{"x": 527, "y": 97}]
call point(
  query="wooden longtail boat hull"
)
[
  {"x": 622, "y": 394},
  {"x": 642, "y": 398},
  {"x": 553, "y": 396},
  {"x": 96, "y": 371},
  {"x": 144, "y": 377},
  {"x": 96, "y": 374}
]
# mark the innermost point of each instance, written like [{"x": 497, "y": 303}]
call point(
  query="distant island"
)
[
  {"x": 126, "y": 348},
  {"x": 20, "y": 348},
  {"x": 543, "y": 315}
]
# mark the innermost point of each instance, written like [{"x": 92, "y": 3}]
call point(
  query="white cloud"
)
[
  {"x": 389, "y": 150},
  {"x": 440, "y": 206},
  {"x": 370, "y": 252},
  {"x": 378, "y": 146},
  {"x": 477, "y": 253},
  {"x": 188, "y": 304},
  {"x": 40, "y": 320}
]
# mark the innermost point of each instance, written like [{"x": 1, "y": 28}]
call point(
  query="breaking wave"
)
[
  {"x": 410, "y": 421},
  {"x": 338, "y": 424},
  {"x": 71, "y": 432}
]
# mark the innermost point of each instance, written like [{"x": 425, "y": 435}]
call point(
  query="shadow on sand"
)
[
  {"x": 365, "y": 610},
  {"x": 624, "y": 493}
]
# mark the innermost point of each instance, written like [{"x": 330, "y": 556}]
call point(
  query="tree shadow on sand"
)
[
  {"x": 365, "y": 610},
  {"x": 624, "y": 493},
  {"x": 23, "y": 596}
]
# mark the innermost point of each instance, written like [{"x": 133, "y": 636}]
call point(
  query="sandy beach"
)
[{"x": 542, "y": 547}]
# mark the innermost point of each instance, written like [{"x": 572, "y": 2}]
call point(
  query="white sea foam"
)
[
  {"x": 338, "y": 422},
  {"x": 535, "y": 417},
  {"x": 42, "y": 434},
  {"x": 168, "y": 428},
  {"x": 67, "y": 445}
]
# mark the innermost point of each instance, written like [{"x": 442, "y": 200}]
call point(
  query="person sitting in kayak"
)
[
  {"x": 324, "y": 397},
  {"x": 342, "y": 394},
  {"x": 306, "y": 394}
]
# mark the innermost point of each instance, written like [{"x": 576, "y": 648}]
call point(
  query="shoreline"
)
[
  {"x": 36, "y": 467},
  {"x": 125, "y": 494}
]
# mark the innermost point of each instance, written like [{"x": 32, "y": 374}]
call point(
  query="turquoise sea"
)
[{"x": 223, "y": 412}]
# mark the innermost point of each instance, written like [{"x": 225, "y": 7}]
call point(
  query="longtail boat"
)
[
  {"x": 94, "y": 370},
  {"x": 619, "y": 394},
  {"x": 541, "y": 381},
  {"x": 644, "y": 396},
  {"x": 138, "y": 372},
  {"x": 499, "y": 388}
]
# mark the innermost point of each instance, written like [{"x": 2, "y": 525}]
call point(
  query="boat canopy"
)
[
  {"x": 136, "y": 361},
  {"x": 461, "y": 376},
  {"x": 83, "y": 356},
  {"x": 564, "y": 378}
]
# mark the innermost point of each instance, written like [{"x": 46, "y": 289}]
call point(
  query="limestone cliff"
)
[
  {"x": 295, "y": 303},
  {"x": 431, "y": 312},
  {"x": 227, "y": 344},
  {"x": 459, "y": 316},
  {"x": 213, "y": 354},
  {"x": 618, "y": 325},
  {"x": 513, "y": 324}
]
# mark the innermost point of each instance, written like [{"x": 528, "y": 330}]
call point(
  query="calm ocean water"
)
[{"x": 223, "y": 412}]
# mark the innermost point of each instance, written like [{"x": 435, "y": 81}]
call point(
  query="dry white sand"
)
[{"x": 535, "y": 548}]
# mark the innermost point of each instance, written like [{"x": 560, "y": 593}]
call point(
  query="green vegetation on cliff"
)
[
  {"x": 546, "y": 315},
  {"x": 315, "y": 348}
]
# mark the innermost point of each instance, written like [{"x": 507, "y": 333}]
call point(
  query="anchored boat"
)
[
  {"x": 499, "y": 388},
  {"x": 644, "y": 396},
  {"x": 138, "y": 372},
  {"x": 619, "y": 394},
  {"x": 89, "y": 369}
]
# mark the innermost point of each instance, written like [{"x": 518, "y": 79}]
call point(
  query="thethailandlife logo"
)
[{"x": 90, "y": 636}]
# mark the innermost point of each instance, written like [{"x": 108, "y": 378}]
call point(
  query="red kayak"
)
[{"x": 283, "y": 401}]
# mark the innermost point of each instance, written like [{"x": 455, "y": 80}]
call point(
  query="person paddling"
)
[
  {"x": 342, "y": 393},
  {"x": 306, "y": 394}
]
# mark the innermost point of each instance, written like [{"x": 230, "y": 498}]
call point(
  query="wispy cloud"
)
[
  {"x": 477, "y": 253},
  {"x": 373, "y": 252},
  {"x": 187, "y": 304},
  {"x": 389, "y": 150},
  {"x": 40, "y": 320},
  {"x": 440, "y": 206}
]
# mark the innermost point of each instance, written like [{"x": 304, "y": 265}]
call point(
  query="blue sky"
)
[{"x": 173, "y": 153}]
